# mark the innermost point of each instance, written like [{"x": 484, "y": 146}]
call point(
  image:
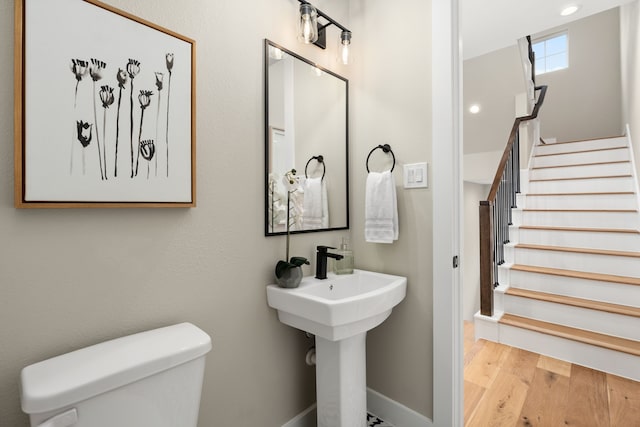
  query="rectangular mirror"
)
[{"x": 306, "y": 129}]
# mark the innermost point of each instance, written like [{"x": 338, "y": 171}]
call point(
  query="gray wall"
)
[
  {"x": 584, "y": 100},
  {"x": 630, "y": 59},
  {"x": 492, "y": 81},
  {"x": 392, "y": 104},
  {"x": 72, "y": 278}
]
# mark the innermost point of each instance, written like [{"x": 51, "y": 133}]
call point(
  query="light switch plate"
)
[{"x": 415, "y": 175}]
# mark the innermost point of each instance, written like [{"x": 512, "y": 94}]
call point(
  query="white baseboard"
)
[
  {"x": 377, "y": 404},
  {"x": 306, "y": 418},
  {"x": 393, "y": 412}
]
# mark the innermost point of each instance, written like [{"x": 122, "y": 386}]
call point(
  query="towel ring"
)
[
  {"x": 385, "y": 148},
  {"x": 320, "y": 159}
]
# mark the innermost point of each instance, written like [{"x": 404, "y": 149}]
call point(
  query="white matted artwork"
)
[{"x": 106, "y": 104}]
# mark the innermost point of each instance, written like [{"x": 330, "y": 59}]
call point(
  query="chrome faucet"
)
[{"x": 321, "y": 261}]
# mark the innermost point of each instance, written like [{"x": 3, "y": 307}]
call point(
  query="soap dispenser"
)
[{"x": 344, "y": 265}]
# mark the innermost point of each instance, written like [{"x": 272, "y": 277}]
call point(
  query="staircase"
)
[{"x": 570, "y": 284}]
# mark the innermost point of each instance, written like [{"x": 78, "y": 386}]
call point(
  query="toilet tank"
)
[{"x": 152, "y": 378}]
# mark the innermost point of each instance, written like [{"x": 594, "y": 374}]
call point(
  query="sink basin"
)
[
  {"x": 339, "y": 306},
  {"x": 339, "y": 311}
]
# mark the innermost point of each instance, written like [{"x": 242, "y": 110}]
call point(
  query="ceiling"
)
[{"x": 489, "y": 25}]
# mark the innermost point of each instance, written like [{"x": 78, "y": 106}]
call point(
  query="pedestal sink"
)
[{"x": 339, "y": 311}]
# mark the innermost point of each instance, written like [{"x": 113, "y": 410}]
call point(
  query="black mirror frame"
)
[{"x": 267, "y": 44}]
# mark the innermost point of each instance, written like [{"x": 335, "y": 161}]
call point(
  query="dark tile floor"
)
[{"x": 373, "y": 421}]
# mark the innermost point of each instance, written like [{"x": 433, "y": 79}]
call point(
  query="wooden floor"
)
[{"x": 505, "y": 386}]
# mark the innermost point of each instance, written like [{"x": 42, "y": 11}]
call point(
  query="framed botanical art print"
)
[{"x": 105, "y": 108}]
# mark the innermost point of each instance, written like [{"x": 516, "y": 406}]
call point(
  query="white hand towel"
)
[
  {"x": 316, "y": 212},
  {"x": 381, "y": 208}
]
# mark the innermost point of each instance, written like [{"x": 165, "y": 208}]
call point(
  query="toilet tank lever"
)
[{"x": 66, "y": 419}]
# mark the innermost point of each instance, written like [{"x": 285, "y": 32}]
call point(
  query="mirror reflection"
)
[{"x": 306, "y": 130}]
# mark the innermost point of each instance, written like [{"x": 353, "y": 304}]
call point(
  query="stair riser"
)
[
  {"x": 599, "y": 185},
  {"x": 615, "y": 293},
  {"x": 607, "y": 169},
  {"x": 576, "y": 219},
  {"x": 577, "y": 239},
  {"x": 575, "y": 317},
  {"x": 602, "y": 359},
  {"x": 610, "y": 201},
  {"x": 581, "y": 158},
  {"x": 591, "y": 263},
  {"x": 581, "y": 146}
]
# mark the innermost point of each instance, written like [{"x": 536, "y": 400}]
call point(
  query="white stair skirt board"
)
[
  {"x": 594, "y": 144},
  {"x": 594, "y": 169},
  {"x": 587, "y": 201},
  {"x": 591, "y": 219},
  {"x": 578, "y": 238},
  {"x": 591, "y": 356},
  {"x": 584, "y": 184},
  {"x": 578, "y": 158},
  {"x": 576, "y": 317},
  {"x": 587, "y": 262},
  {"x": 611, "y": 292}
]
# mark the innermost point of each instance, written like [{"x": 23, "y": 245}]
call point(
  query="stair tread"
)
[
  {"x": 581, "y": 177},
  {"x": 575, "y": 302},
  {"x": 575, "y": 334},
  {"x": 579, "y": 250},
  {"x": 583, "y": 151},
  {"x": 626, "y": 280},
  {"x": 584, "y": 140},
  {"x": 581, "y": 164},
  {"x": 596, "y": 230},
  {"x": 604, "y": 193}
]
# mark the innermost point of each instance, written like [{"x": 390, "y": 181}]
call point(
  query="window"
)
[{"x": 552, "y": 53}]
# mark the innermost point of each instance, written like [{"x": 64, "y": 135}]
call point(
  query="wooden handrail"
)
[
  {"x": 512, "y": 139},
  {"x": 495, "y": 212}
]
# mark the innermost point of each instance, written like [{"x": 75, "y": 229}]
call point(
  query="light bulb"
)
[
  {"x": 344, "y": 54},
  {"x": 308, "y": 24}
]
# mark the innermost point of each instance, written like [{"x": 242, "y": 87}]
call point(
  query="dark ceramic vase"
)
[{"x": 291, "y": 278}]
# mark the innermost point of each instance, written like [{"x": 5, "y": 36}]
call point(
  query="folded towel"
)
[
  {"x": 381, "y": 208},
  {"x": 316, "y": 208}
]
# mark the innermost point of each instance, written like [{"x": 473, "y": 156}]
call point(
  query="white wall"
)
[
  {"x": 584, "y": 100},
  {"x": 72, "y": 278},
  {"x": 630, "y": 60},
  {"x": 472, "y": 194}
]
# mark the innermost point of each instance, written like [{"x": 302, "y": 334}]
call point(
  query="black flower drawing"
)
[
  {"x": 133, "y": 68},
  {"x": 169, "y": 61},
  {"x": 121, "y": 76},
  {"x": 147, "y": 150},
  {"x": 145, "y": 100},
  {"x": 159, "y": 79},
  {"x": 79, "y": 68},
  {"x": 107, "y": 98},
  {"x": 95, "y": 71},
  {"x": 83, "y": 134}
]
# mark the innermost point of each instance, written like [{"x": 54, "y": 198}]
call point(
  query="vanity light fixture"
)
[
  {"x": 474, "y": 109},
  {"x": 311, "y": 31}
]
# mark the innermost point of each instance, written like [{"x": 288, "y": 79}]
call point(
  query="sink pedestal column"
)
[{"x": 341, "y": 382}]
